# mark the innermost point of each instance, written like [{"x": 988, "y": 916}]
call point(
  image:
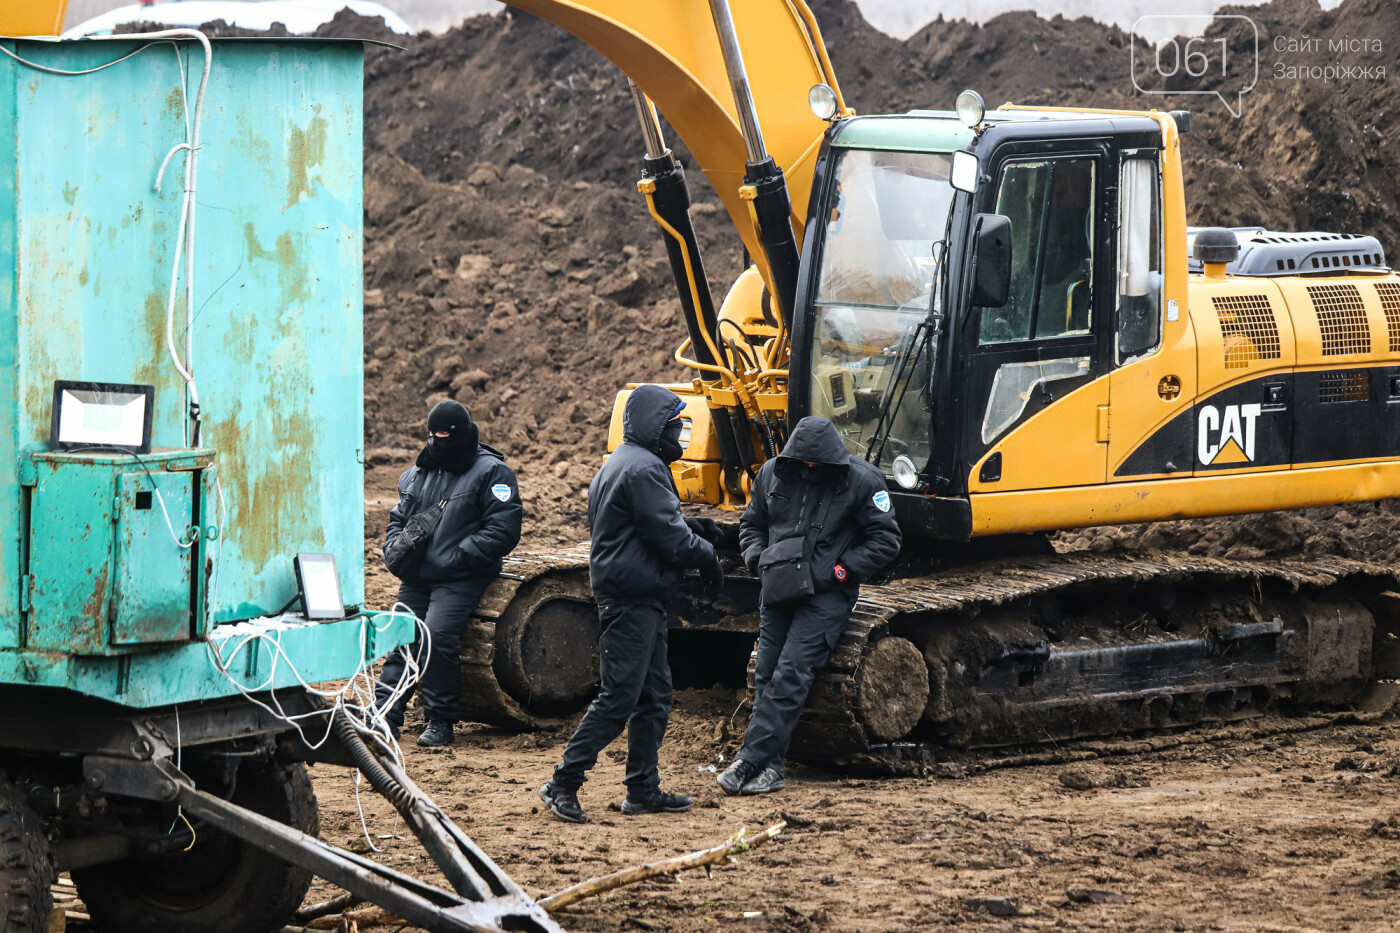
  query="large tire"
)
[
  {"x": 222, "y": 885},
  {"x": 26, "y": 870}
]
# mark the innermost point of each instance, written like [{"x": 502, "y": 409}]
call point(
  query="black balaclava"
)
[
  {"x": 822, "y": 474},
  {"x": 669, "y": 447},
  {"x": 457, "y": 452}
]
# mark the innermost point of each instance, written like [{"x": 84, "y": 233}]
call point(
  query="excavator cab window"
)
[
  {"x": 886, "y": 212},
  {"x": 1051, "y": 207}
]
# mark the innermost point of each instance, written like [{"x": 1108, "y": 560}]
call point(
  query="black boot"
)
[
  {"x": 733, "y": 778},
  {"x": 437, "y": 733},
  {"x": 655, "y": 801},
  {"x": 563, "y": 803},
  {"x": 768, "y": 781}
]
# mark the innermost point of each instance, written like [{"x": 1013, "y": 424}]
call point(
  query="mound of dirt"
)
[{"x": 510, "y": 262}]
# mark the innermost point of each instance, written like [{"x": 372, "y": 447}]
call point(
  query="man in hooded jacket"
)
[
  {"x": 480, "y": 525},
  {"x": 641, "y": 544},
  {"x": 838, "y": 506}
]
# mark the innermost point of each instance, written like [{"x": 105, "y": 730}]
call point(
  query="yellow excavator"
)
[{"x": 1007, "y": 313}]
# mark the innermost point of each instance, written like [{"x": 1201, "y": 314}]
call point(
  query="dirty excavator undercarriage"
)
[{"x": 1013, "y": 651}]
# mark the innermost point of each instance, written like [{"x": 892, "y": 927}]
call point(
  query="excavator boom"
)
[{"x": 671, "y": 50}]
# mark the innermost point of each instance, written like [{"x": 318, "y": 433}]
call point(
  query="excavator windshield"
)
[{"x": 885, "y": 213}]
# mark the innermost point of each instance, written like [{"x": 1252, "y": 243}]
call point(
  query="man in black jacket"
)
[
  {"x": 837, "y": 505},
  {"x": 641, "y": 545},
  {"x": 479, "y": 526}
]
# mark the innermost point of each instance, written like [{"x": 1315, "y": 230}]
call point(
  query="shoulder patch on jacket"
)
[
  {"x": 502, "y": 491},
  {"x": 881, "y": 500}
]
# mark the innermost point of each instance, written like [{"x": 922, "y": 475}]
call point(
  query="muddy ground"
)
[
  {"x": 1290, "y": 832},
  {"x": 1259, "y": 828}
]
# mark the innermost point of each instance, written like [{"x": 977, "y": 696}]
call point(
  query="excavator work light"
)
[
  {"x": 971, "y": 108},
  {"x": 905, "y": 473},
  {"x": 822, "y": 100}
]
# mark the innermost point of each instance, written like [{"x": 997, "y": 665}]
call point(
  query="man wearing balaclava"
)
[
  {"x": 480, "y": 525},
  {"x": 828, "y": 512},
  {"x": 641, "y": 544}
]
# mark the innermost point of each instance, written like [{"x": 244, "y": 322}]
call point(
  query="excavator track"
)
[
  {"x": 531, "y": 650},
  {"x": 1060, "y": 647},
  {"x": 994, "y": 654}
]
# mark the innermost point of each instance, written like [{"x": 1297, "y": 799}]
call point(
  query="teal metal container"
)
[{"x": 94, "y": 587}]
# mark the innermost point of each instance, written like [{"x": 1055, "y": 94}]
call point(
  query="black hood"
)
[
  {"x": 648, "y": 409},
  {"x": 817, "y": 440}
]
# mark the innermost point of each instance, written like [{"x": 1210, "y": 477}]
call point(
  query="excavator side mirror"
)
[{"x": 991, "y": 260}]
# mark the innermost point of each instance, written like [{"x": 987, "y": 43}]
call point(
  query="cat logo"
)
[{"x": 1226, "y": 438}]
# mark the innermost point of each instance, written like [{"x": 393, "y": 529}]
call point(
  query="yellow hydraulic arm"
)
[
  {"x": 32, "y": 17},
  {"x": 671, "y": 50}
]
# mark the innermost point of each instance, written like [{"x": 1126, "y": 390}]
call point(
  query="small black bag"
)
[
  {"x": 404, "y": 554},
  {"x": 785, "y": 567}
]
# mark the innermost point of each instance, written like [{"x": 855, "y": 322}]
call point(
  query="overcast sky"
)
[{"x": 897, "y": 17}]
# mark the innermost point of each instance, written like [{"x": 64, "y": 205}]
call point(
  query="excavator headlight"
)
[
  {"x": 971, "y": 108},
  {"x": 905, "y": 473},
  {"x": 822, "y": 100}
]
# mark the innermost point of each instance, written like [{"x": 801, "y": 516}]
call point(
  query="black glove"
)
[
  {"x": 706, "y": 528},
  {"x": 712, "y": 575}
]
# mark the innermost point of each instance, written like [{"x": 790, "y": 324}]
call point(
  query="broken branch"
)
[
  {"x": 367, "y": 916},
  {"x": 734, "y": 845},
  {"x": 334, "y": 905}
]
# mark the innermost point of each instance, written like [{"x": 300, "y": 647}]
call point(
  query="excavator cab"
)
[{"x": 918, "y": 377}]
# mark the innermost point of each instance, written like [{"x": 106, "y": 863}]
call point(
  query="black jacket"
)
[
  {"x": 478, "y": 528},
  {"x": 640, "y": 542},
  {"x": 859, "y": 531}
]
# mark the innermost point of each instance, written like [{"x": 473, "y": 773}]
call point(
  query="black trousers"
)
[
  {"x": 794, "y": 643},
  {"x": 445, "y": 607},
  {"x": 635, "y": 694}
]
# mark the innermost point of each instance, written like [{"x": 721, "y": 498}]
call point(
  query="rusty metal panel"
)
[
  {"x": 12, "y": 530},
  {"x": 86, "y": 252},
  {"x": 152, "y": 600},
  {"x": 70, "y": 557}
]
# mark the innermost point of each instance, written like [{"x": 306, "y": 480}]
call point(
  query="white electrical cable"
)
[
  {"x": 365, "y": 714},
  {"x": 181, "y": 542},
  {"x": 59, "y": 71},
  {"x": 184, "y": 237},
  {"x": 351, "y": 696}
]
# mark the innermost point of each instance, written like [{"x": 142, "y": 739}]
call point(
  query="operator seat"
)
[{"x": 1066, "y": 289}]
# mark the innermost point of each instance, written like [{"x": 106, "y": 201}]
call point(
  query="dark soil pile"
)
[{"x": 510, "y": 262}]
